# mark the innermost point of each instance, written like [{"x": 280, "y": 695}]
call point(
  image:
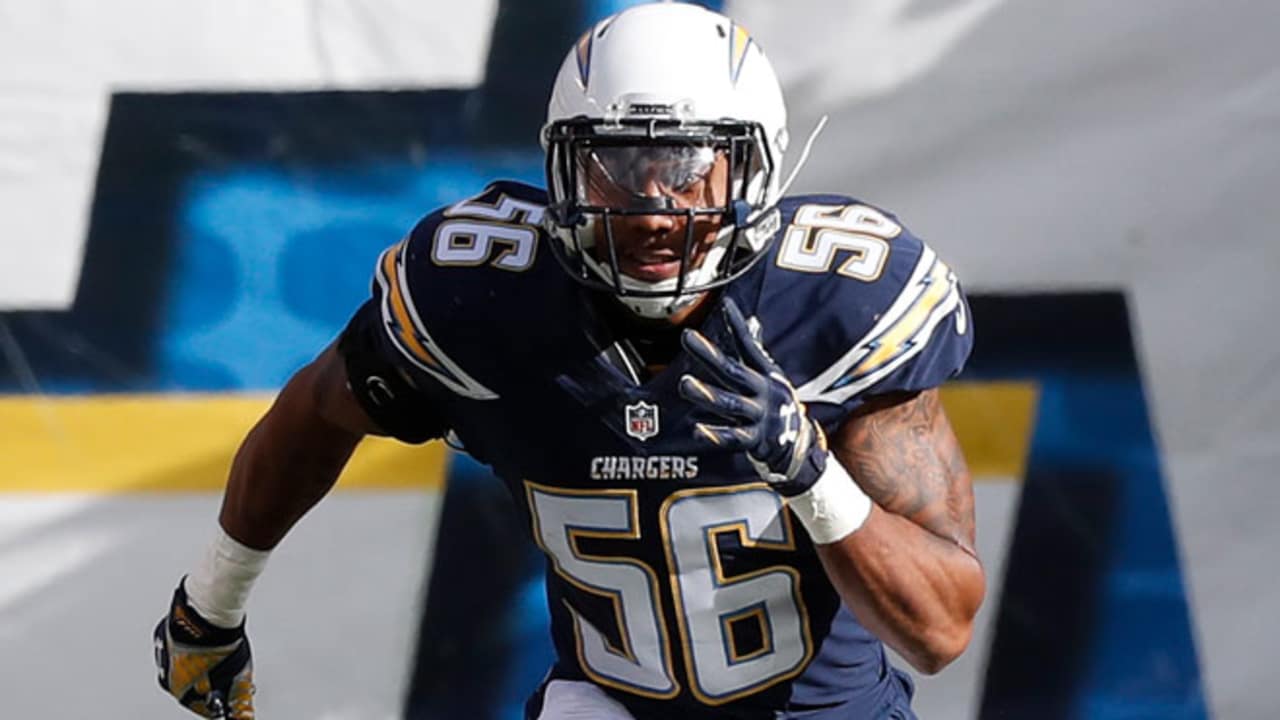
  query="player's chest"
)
[{"x": 595, "y": 428}]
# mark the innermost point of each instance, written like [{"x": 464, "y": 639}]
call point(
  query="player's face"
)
[{"x": 649, "y": 246}]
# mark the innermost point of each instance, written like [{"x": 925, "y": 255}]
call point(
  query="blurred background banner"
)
[{"x": 193, "y": 194}]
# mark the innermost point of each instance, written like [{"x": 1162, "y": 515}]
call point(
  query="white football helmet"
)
[{"x": 656, "y": 93}]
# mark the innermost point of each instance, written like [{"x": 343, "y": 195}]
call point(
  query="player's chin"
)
[{"x": 650, "y": 271}]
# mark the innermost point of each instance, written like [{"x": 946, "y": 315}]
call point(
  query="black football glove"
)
[
  {"x": 761, "y": 413},
  {"x": 209, "y": 669}
]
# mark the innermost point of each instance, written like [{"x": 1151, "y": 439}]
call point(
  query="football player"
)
[{"x": 716, "y": 406}]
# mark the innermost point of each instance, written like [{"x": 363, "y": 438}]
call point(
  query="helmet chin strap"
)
[{"x": 658, "y": 307}]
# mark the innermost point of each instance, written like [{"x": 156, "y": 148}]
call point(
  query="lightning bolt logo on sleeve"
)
[
  {"x": 930, "y": 295},
  {"x": 405, "y": 328}
]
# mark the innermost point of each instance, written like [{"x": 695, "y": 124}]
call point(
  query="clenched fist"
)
[{"x": 209, "y": 669}]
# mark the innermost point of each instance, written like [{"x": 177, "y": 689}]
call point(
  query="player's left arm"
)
[
  {"x": 910, "y": 573},
  {"x": 886, "y": 499}
]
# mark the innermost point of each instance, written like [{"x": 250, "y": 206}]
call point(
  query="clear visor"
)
[{"x": 667, "y": 176}]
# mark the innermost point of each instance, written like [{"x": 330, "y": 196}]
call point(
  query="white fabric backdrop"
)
[
  {"x": 61, "y": 59},
  {"x": 1093, "y": 144}
]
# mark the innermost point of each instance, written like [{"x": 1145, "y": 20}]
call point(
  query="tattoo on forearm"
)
[{"x": 906, "y": 457}]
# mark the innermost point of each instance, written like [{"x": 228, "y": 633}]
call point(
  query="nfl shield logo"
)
[{"x": 642, "y": 420}]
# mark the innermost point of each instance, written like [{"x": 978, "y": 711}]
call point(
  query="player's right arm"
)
[
  {"x": 288, "y": 461},
  {"x": 387, "y": 374},
  {"x": 294, "y": 454}
]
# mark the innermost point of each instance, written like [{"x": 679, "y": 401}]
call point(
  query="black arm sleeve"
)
[{"x": 400, "y": 409}]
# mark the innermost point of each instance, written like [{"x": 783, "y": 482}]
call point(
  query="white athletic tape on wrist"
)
[
  {"x": 220, "y": 584},
  {"x": 834, "y": 507}
]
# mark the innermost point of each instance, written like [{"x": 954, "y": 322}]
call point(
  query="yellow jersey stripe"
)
[{"x": 405, "y": 330}]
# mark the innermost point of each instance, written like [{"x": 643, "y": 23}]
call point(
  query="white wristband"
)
[
  {"x": 834, "y": 507},
  {"x": 220, "y": 584}
]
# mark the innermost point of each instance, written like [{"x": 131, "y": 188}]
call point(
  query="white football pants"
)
[{"x": 579, "y": 700}]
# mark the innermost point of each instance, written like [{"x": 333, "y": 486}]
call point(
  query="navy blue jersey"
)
[{"x": 677, "y": 580}]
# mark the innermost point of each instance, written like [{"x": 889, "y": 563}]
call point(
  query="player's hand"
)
[
  {"x": 757, "y": 404},
  {"x": 209, "y": 669}
]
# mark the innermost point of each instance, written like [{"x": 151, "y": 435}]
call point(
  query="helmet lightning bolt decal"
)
[
  {"x": 739, "y": 41},
  {"x": 584, "y": 57}
]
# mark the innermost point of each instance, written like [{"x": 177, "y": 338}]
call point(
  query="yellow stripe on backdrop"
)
[
  {"x": 994, "y": 422},
  {"x": 183, "y": 443},
  {"x": 165, "y": 443}
]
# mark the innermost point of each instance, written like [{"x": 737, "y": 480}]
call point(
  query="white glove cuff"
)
[
  {"x": 834, "y": 507},
  {"x": 220, "y": 584}
]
